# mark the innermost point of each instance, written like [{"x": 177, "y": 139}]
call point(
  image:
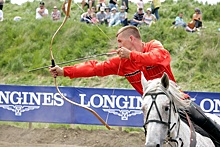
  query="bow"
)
[{"x": 53, "y": 65}]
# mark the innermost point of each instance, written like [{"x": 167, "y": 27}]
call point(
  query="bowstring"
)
[{"x": 113, "y": 91}]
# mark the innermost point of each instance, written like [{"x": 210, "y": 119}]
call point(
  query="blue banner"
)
[{"x": 118, "y": 107}]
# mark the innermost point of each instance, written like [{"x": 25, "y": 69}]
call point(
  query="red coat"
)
[{"x": 153, "y": 62}]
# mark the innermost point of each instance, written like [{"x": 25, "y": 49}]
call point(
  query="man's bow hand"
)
[{"x": 56, "y": 71}]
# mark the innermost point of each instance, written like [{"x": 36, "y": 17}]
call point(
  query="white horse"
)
[{"x": 162, "y": 123}]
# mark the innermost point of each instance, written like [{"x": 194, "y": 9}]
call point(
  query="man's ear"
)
[{"x": 131, "y": 37}]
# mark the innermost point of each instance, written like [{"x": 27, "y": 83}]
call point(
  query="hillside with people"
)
[{"x": 25, "y": 44}]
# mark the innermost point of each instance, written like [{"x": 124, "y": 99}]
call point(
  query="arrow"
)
[{"x": 79, "y": 59}]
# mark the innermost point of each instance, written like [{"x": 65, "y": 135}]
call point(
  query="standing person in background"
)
[
  {"x": 1, "y": 15},
  {"x": 155, "y": 6},
  {"x": 64, "y": 7},
  {"x": 140, "y": 4},
  {"x": 125, "y": 3},
  {"x": 101, "y": 3},
  {"x": 88, "y": 3},
  {"x": 56, "y": 15},
  {"x": 41, "y": 11},
  {"x": 112, "y": 4},
  {"x": 1, "y": 4}
]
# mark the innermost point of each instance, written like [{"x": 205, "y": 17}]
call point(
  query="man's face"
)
[{"x": 124, "y": 41}]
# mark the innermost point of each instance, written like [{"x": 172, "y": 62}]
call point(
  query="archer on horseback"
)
[{"x": 134, "y": 57}]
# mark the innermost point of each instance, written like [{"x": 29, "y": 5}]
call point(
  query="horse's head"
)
[{"x": 160, "y": 101}]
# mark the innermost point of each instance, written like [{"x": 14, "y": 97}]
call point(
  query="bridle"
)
[
  {"x": 171, "y": 105},
  {"x": 53, "y": 64}
]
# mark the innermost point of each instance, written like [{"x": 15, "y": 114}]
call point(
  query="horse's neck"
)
[{"x": 200, "y": 140}]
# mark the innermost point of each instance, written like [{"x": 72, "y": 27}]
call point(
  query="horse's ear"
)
[
  {"x": 143, "y": 82},
  {"x": 165, "y": 80}
]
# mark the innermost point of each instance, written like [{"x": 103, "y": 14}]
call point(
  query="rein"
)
[
  {"x": 192, "y": 131},
  {"x": 171, "y": 103}
]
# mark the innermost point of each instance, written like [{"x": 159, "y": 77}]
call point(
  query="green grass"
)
[{"x": 25, "y": 45}]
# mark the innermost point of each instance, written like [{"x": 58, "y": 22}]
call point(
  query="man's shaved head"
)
[{"x": 129, "y": 30}]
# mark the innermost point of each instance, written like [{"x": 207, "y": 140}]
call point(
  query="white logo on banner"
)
[
  {"x": 124, "y": 114},
  {"x": 18, "y": 109},
  {"x": 19, "y": 102}
]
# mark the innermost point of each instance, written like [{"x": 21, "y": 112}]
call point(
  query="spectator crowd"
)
[
  {"x": 109, "y": 13},
  {"x": 112, "y": 15}
]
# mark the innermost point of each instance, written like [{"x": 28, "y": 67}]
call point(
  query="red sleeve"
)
[
  {"x": 93, "y": 68},
  {"x": 153, "y": 54}
]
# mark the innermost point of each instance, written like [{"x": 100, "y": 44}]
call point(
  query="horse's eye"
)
[{"x": 167, "y": 108}]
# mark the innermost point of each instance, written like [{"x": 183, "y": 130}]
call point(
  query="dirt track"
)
[{"x": 17, "y": 137}]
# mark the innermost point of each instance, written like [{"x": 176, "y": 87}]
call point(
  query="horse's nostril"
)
[{"x": 157, "y": 145}]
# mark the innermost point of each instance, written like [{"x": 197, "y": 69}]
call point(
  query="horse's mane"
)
[
  {"x": 177, "y": 95},
  {"x": 173, "y": 90}
]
